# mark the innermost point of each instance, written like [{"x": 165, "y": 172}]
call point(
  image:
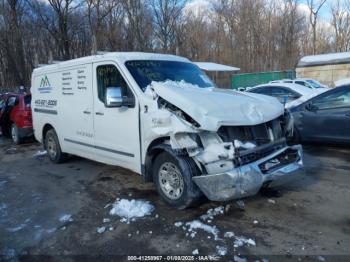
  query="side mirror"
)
[
  {"x": 114, "y": 97},
  {"x": 311, "y": 107}
]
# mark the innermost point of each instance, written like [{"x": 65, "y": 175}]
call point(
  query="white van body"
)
[{"x": 171, "y": 116}]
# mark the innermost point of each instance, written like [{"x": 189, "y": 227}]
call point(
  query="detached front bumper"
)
[{"x": 275, "y": 169}]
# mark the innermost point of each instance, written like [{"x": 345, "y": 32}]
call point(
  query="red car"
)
[{"x": 16, "y": 116}]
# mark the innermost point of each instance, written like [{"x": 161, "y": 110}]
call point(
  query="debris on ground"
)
[
  {"x": 221, "y": 250},
  {"x": 11, "y": 150},
  {"x": 129, "y": 210},
  {"x": 271, "y": 201},
  {"x": 106, "y": 220},
  {"x": 321, "y": 258},
  {"x": 240, "y": 204},
  {"x": 66, "y": 218},
  {"x": 255, "y": 222},
  {"x": 195, "y": 252},
  {"x": 100, "y": 230}
]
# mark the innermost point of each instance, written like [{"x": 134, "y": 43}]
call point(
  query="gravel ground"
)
[{"x": 55, "y": 212}]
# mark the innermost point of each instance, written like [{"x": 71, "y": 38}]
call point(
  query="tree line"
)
[{"x": 255, "y": 35}]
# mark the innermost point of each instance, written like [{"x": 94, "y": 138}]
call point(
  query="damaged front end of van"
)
[{"x": 237, "y": 140}]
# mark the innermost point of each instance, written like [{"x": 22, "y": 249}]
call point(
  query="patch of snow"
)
[
  {"x": 246, "y": 145},
  {"x": 129, "y": 210},
  {"x": 239, "y": 259},
  {"x": 106, "y": 220},
  {"x": 50, "y": 230},
  {"x": 271, "y": 201},
  {"x": 40, "y": 153},
  {"x": 212, "y": 212},
  {"x": 111, "y": 228},
  {"x": 66, "y": 218},
  {"x": 195, "y": 252},
  {"x": 229, "y": 234},
  {"x": 221, "y": 250},
  {"x": 342, "y": 82},
  {"x": 241, "y": 241},
  {"x": 196, "y": 224},
  {"x": 321, "y": 258},
  {"x": 178, "y": 224},
  {"x": 255, "y": 222},
  {"x": 325, "y": 58},
  {"x": 100, "y": 230},
  {"x": 150, "y": 232}
]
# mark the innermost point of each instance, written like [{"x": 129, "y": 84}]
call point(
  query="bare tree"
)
[
  {"x": 314, "y": 7},
  {"x": 341, "y": 25},
  {"x": 167, "y": 14}
]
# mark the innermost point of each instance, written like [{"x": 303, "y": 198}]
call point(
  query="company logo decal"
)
[{"x": 45, "y": 86}]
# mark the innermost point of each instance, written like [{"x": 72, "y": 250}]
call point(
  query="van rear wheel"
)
[
  {"x": 172, "y": 176},
  {"x": 53, "y": 147}
]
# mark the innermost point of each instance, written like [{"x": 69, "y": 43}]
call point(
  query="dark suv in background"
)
[{"x": 16, "y": 116}]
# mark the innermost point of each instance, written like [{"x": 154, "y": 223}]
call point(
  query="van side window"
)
[{"x": 109, "y": 76}]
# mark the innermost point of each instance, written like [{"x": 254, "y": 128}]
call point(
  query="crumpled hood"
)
[{"x": 213, "y": 107}]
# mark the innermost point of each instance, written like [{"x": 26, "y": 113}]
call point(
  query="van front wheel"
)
[
  {"x": 53, "y": 147},
  {"x": 172, "y": 176}
]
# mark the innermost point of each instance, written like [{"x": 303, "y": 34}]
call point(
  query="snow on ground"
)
[
  {"x": 212, "y": 212},
  {"x": 241, "y": 241},
  {"x": 40, "y": 153},
  {"x": 66, "y": 218},
  {"x": 129, "y": 210},
  {"x": 195, "y": 252},
  {"x": 221, "y": 250},
  {"x": 196, "y": 224},
  {"x": 100, "y": 230},
  {"x": 192, "y": 227}
]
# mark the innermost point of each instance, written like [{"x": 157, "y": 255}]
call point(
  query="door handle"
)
[
  {"x": 87, "y": 112},
  {"x": 99, "y": 113}
]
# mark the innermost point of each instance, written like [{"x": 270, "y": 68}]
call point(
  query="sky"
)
[{"x": 325, "y": 12}]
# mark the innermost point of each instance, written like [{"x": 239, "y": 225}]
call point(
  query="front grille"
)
[
  {"x": 268, "y": 138},
  {"x": 259, "y": 134},
  {"x": 287, "y": 157}
]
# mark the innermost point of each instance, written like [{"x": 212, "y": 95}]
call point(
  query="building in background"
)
[
  {"x": 220, "y": 74},
  {"x": 326, "y": 68}
]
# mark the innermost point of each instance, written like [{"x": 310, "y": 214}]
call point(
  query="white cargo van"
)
[{"x": 161, "y": 116}]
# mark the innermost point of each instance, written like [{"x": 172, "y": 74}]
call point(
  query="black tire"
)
[
  {"x": 16, "y": 138},
  {"x": 53, "y": 148},
  {"x": 191, "y": 194}
]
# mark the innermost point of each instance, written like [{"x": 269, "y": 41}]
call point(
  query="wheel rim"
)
[
  {"x": 170, "y": 180},
  {"x": 14, "y": 134},
  {"x": 51, "y": 147}
]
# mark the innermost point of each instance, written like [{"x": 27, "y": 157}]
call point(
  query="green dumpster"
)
[{"x": 253, "y": 79}]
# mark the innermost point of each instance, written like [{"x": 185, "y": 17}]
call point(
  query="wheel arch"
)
[
  {"x": 45, "y": 129},
  {"x": 156, "y": 147}
]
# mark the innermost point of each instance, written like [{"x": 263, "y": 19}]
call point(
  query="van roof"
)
[{"x": 121, "y": 57}]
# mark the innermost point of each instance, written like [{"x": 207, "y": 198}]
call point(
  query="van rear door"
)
[{"x": 116, "y": 129}]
